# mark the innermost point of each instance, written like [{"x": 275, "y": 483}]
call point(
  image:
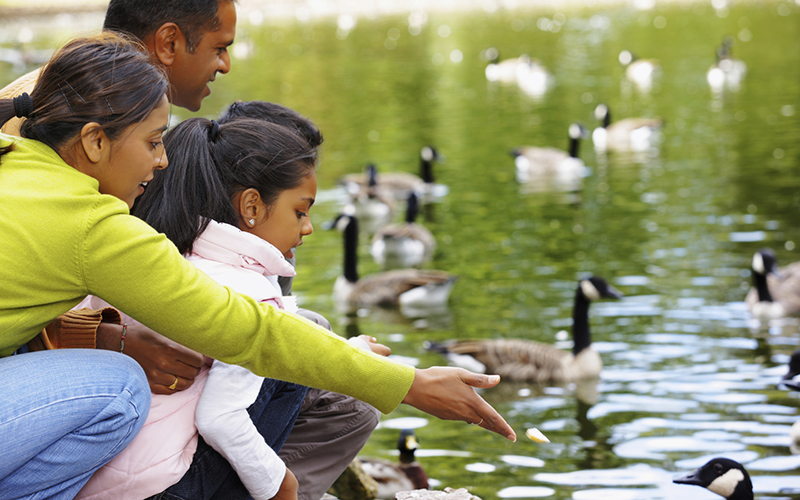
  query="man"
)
[{"x": 190, "y": 39}]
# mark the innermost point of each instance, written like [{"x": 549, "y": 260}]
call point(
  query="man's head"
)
[{"x": 189, "y": 37}]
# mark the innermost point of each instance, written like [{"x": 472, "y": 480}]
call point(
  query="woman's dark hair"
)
[
  {"x": 209, "y": 164},
  {"x": 108, "y": 79},
  {"x": 274, "y": 113},
  {"x": 141, "y": 18}
]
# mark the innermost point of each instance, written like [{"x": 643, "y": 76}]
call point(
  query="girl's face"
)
[
  {"x": 136, "y": 156},
  {"x": 288, "y": 221}
]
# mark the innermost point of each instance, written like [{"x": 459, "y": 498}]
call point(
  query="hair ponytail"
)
[{"x": 180, "y": 199}]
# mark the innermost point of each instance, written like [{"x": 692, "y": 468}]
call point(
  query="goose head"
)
[
  {"x": 427, "y": 156},
  {"x": 575, "y": 132},
  {"x": 765, "y": 262},
  {"x": 595, "y": 288},
  {"x": 722, "y": 476},
  {"x": 626, "y": 57},
  {"x": 603, "y": 115},
  {"x": 792, "y": 378},
  {"x": 589, "y": 289}
]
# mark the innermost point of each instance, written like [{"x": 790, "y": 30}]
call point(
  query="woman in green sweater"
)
[{"x": 91, "y": 142}]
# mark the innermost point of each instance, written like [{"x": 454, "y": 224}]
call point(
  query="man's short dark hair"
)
[{"x": 141, "y": 18}]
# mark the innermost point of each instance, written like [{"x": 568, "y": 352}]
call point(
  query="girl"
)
[{"x": 91, "y": 140}]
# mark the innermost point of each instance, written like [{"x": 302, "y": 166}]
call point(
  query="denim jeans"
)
[
  {"x": 210, "y": 477},
  {"x": 63, "y": 414}
]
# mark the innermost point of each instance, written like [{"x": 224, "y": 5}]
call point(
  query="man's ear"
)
[
  {"x": 167, "y": 42},
  {"x": 95, "y": 142}
]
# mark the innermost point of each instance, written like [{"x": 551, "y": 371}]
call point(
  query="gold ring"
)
[{"x": 175, "y": 384}]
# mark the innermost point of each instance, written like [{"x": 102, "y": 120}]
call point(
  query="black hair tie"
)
[
  {"x": 213, "y": 134},
  {"x": 23, "y": 105}
]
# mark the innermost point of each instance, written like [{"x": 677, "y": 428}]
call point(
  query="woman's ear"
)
[{"x": 95, "y": 143}]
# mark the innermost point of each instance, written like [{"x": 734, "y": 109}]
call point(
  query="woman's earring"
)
[{"x": 252, "y": 222}]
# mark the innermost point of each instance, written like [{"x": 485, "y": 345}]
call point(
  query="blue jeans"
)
[
  {"x": 211, "y": 477},
  {"x": 63, "y": 414}
]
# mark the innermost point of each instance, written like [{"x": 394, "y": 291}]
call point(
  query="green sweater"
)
[{"x": 60, "y": 240}]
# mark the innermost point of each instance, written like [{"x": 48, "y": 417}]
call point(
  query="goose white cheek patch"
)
[{"x": 726, "y": 483}]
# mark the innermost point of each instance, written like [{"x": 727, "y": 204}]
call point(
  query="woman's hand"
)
[
  {"x": 288, "y": 489},
  {"x": 162, "y": 360},
  {"x": 448, "y": 393}
]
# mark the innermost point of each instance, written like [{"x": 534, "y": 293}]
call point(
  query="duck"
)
[
  {"x": 628, "y": 134},
  {"x": 401, "y": 184},
  {"x": 406, "y": 288},
  {"x": 527, "y": 361},
  {"x": 775, "y": 292},
  {"x": 640, "y": 71},
  {"x": 727, "y": 72},
  {"x": 403, "y": 245},
  {"x": 371, "y": 202},
  {"x": 723, "y": 476},
  {"x": 405, "y": 475},
  {"x": 550, "y": 165}
]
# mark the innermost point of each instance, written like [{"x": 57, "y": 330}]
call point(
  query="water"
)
[{"x": 688, "y": 373}]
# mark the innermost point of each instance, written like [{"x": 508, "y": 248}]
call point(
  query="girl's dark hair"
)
[
  {"x": 209, "y": 164},
  {"x": 274, "y": 113},
  {"x": 108, "y": 79}
]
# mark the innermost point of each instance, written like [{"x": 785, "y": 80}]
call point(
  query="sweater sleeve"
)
[{"x": 139, "y": 271}]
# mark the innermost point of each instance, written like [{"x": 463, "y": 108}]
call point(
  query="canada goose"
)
[
  {"x": 400, "y": 184},
  {"x": 551, "y": 165},
  {"x": 727, "y": 71},
  {"x": 791, "y": 380},
  {"x": 775, "y": 292},
  {"x": 640, "y": 71},
  {"x": 722, "y": 476},
  {"x": 404, "y": 287},
  {"x": 372, "y": 203},
  {"x": 403, "y": 245},
  {"x": 524, "y": 360},
  {"x": 530, "y": 74},
  {"x": 628, "y": 134},
  {"x": 405, "y": 475}
]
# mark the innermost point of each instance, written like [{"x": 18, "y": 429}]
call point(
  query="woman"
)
[{"x": 91, "y": 142}]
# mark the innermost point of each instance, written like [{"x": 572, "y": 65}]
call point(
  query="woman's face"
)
[
  {"x": 136, "y": 156},
  {"x": 288, "y": 221}
]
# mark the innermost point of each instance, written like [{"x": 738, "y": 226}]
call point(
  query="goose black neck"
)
[
  {"x": 607, "y": 119},
  {"x": 351, "y": 250},
  {"x": 426, "y": 170},
  {"x": 413, "y": 208},
  {"x": 760, "y": 284},
  {"x": 580, "y": 323},
  {"x": 573, "y": 146}
]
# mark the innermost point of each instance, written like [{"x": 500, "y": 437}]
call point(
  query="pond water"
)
[{"x": 689, "y": 374}]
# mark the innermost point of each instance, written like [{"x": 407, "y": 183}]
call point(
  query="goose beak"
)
[
  {"x": 613, "y": 293},
  {"x": 690, "y": 478}
]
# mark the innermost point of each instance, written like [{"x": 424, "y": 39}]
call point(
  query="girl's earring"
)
[{"x": 252, "y": 222}]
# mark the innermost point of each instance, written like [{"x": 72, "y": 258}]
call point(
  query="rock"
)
[
  {"x": 354, "y": 484},
  {"x": 446, "y": 494}
]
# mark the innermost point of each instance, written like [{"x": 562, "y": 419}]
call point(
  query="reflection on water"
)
[{"x": 689, "y": 374}]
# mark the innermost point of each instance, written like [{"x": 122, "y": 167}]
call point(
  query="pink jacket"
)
[{"x": 162, "y": 451}]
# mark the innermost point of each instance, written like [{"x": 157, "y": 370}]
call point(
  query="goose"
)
[
  {"x": 722, "y": 476},
  {"x": 629, "y": 134},
  {"x": 401, "y": 184},
  {"x": 413, "y": 288},
  {"x": 371, "y": 203},
  {"x": 639, "y": 71},
  {"x": 405, "y": 475},
  {"x": 791, "y": 380},
  {"x": 528, "y": 73},
  {"x": 524, "y": 360},
  {"x": 775, "y": 292},
  {"x": 403, "y": 245},
  {"x": 727, "y": 71},
  {"x": 551, "y": 165}
]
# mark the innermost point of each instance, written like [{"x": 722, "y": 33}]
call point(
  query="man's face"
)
[{"x": 190, "y": 74}]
